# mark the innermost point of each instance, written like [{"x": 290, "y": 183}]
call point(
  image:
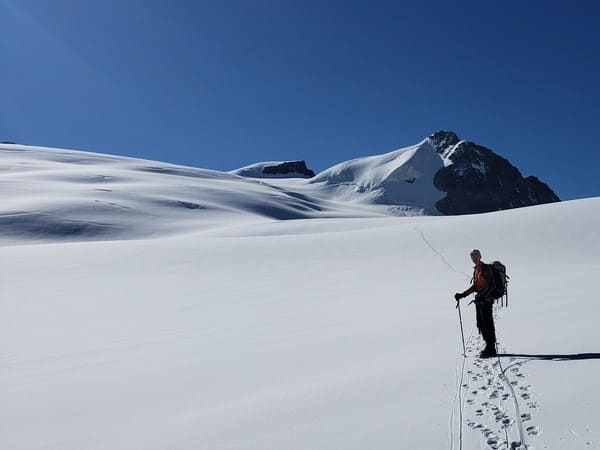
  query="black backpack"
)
[{"x": 500, "y": 280}]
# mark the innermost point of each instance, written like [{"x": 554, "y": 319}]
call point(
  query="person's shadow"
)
[{"x": 572, "y": 357}]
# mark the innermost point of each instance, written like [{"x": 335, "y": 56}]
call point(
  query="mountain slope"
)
[
  {"x": 402, "y": 177},
  {"x": 54, "y": 194}
]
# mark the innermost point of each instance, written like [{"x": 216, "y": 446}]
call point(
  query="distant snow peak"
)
[{"x": 401, "y": 177}]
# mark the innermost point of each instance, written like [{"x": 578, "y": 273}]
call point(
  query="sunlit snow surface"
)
[
  {"x": 183, "y": 316},
  {"x": 63, "y": 194}
]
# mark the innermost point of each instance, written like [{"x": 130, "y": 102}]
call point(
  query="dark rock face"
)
[
  {"x": 290, "y": 167},
  {"x": 443, "y": 140},
  {"x": 479, "y": 180}
]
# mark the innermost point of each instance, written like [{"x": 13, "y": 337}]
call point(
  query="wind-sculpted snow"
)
[{"x": 38, "y": 225}]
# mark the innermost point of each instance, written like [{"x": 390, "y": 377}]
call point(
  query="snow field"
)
[{"x": 321, "y": 333}]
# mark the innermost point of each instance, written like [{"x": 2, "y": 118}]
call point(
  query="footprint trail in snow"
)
[{"x": 490, "y": 408}]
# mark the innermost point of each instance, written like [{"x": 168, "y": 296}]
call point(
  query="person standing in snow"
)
[{"x": 483, "y": 285}]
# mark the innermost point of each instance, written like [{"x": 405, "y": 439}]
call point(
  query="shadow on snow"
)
[{"x": 571, "y": 357}]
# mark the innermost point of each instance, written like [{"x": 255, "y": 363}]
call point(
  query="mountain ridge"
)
[
  {"x": 474, "y": 179},
  {"x": 58, "y": 194}
]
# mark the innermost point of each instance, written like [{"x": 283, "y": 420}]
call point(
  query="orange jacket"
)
[{"x": 483, "y": 281}]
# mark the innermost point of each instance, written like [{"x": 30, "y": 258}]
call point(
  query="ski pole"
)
[{"x": 462, "y": 334}]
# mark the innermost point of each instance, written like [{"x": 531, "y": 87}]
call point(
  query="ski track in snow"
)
[
  {"x": 487, "y": 400},
  {"x": 458, "y": 402}
]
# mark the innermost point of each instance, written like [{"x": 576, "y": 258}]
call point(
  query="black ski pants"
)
[{"x": 485, "y": 321}]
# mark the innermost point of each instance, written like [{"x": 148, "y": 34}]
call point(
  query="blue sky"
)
[{"x": 221, "y": 84}]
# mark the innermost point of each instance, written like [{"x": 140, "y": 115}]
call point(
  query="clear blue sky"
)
[{"x": 221, "y": 84}]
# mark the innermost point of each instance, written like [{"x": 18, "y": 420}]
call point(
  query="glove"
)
[{"x": 457, "y": 296}]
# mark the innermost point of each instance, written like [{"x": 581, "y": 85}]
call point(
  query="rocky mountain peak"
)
[
  {"x": 442, "y": 140},
  {"x": 478, "y": 180}
]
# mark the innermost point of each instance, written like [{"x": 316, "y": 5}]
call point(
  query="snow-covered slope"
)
[
  {"x": 403, "y": 177},
  {"x": 64, "y": 194},
  {"x": 72, "y": 195},
  {"x": 320, "y": 334}
]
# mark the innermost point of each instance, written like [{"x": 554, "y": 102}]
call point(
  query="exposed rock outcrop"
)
[{"x": 477, "y": 180}]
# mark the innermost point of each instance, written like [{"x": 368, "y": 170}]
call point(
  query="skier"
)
[{"x": 483, "y": 285}]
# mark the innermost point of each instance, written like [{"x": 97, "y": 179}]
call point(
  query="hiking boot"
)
[{"x": 488, "y": 352}]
